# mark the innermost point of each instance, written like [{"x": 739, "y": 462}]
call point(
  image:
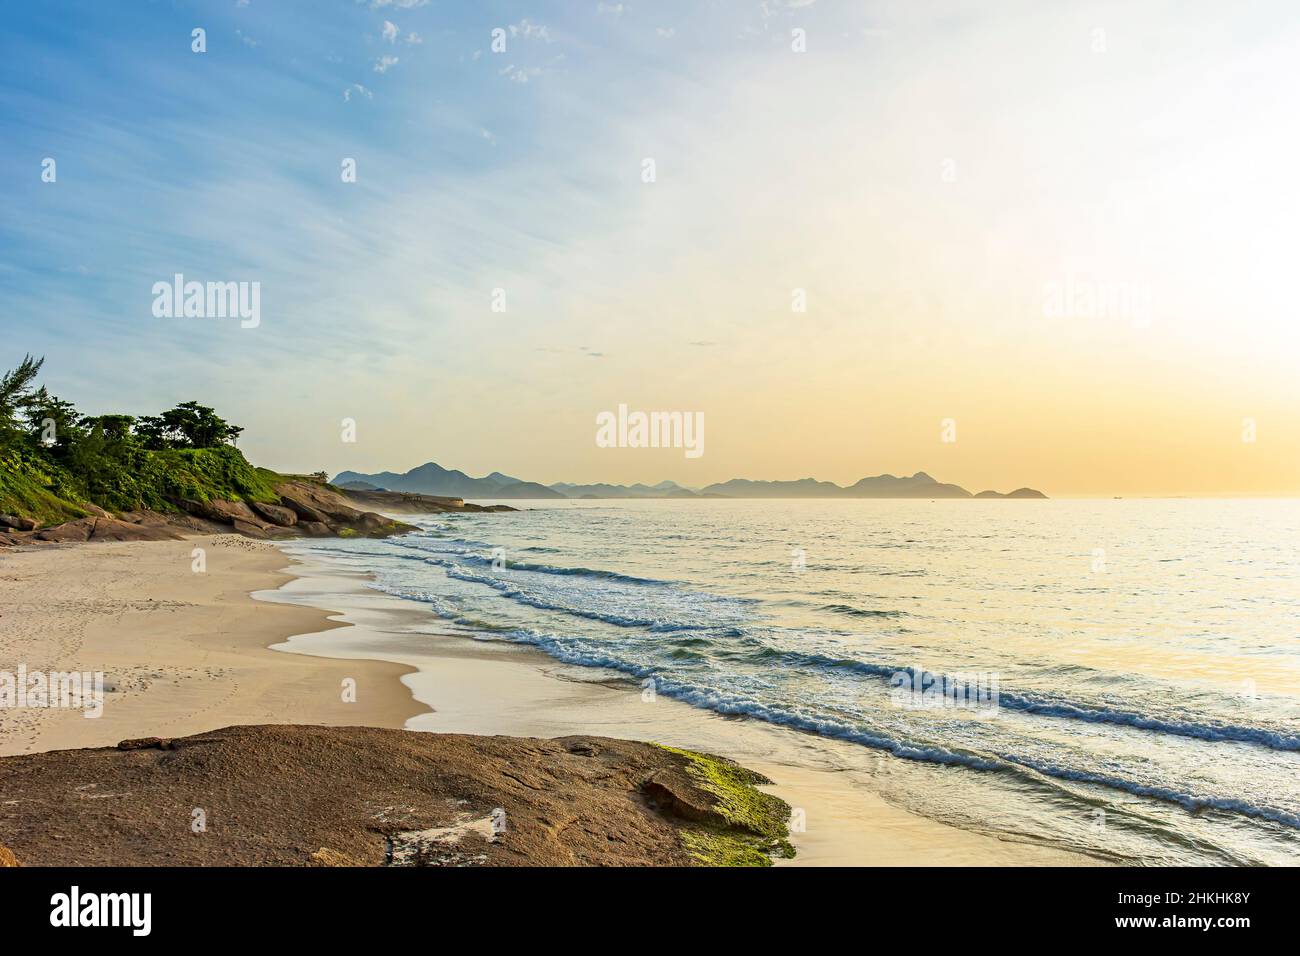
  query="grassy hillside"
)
[
  {"x": 154, "y": 479},
  {"x": 54, "y": 461},
  {"x": 32, "y": 486}
]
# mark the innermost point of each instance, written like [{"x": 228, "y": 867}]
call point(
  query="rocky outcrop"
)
[
  {"x": 276, "y": 514},
  {"x": 404, "y": 502},
  {"x": 107, "y": 529},
  {"x": 316, "y": 502},
  {"x": 322, "y": 505},
  {"x": 305, "y": 508},
  {"x": 373, "y": 797}
]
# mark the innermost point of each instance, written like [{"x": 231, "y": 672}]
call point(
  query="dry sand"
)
[
  {"x": 186, "y": 651},
  {"x": 189, "y": 652}
]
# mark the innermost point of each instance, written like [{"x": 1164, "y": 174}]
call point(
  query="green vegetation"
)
[
  {"x": 55, "y": 460},
  {"x": 747, "y": 827}
]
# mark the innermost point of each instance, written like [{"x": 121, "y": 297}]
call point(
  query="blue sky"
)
[{"x": 1137, "y": 166}]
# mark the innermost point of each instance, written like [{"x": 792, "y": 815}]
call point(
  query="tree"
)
[
  {"x": 51, "y": 421},
  {"x": 15, "y": 387},
  {"x": 188, "y": 425},
  {"x": 113, "y": 427}
]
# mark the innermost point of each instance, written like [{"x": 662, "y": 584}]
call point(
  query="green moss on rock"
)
[{"x": 743, "y": 826}]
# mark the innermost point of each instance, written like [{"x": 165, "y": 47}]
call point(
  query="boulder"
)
[
  {"x": 315, "y": 529},
  {"x": 195, "y": 523},
  {"x": 250, "y": 530},
  {"x": 226, "y": 512},
  {"x": 146, "y": 743},
  {"x": 78, "y": 530},
  {"x": 304, "y": 511},
  {"x": 110, "y": 529},
  {"x": 16, "y": 523},
  {"x": 372, "y": 521},
  {"x": 316, "y": 502},
  {"x": 675, "y": 793},
  {"x": 276, "y": 514}
]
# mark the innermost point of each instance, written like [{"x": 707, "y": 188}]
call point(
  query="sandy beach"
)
[{"x": 185, "y": 652}]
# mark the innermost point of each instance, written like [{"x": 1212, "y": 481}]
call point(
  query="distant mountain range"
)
[{"x": 433, "y": 479}]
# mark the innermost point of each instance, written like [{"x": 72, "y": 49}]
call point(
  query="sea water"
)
[{"x": 1137, "y": 661}]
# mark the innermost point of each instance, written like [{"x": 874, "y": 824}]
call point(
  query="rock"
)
[
  {"x": 7, "y": 857},
  {"x": 315, "y": 529},
  {"x": 675, "y": 793},
  {"x": 249, "y": 530},
  {"x": 192, "y": 523},
  {"x": 372, "y": 521},
  {"x": 276, "y": 514},
  {"x": 110, "y": 529},
  {"x": 97, "y": 511},
  {"x": 146, "y": 743},
  {"x": 18, "y": 524},
  {"x": 78, "y": 530},
  {"x": 234, "y": 513},
  {"x": 227, "y": 512},
  {"x": 327, "y": 857},
  {"x": 360, "y": 794},
  {"x": 316, "y": 502},
  {"x": 304, "y": 511},
  {"x": 406, "y": 502},
  {"x": 107, "y": 529}
]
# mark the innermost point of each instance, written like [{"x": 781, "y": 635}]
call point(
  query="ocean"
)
[{"x": 1119, "y": 678}]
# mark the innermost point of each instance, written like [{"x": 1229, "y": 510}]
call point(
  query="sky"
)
[{"x": 1047, "y": 245}]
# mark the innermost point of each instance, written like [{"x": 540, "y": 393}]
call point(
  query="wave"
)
[
  {"x": 739, "y": 705},
  {"x": 508, "y": 565},
  {"x": 851, "y": 611},
  {"x": 1203, "y": 728},
  {"x": 1199, "y": 728},
  {"x": 515, "y": 593}
]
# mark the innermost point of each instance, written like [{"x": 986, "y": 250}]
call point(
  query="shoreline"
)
[
  {"x": 268, "y": 637},
  {"x": 486, "y": 687}
]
